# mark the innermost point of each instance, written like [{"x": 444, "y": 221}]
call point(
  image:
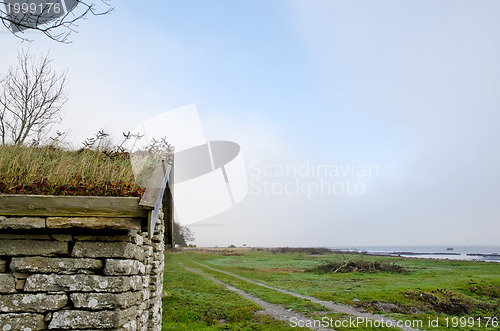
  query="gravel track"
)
[
  {"x": 270, "y": 309},
  {"x": 334, "y": 307}
]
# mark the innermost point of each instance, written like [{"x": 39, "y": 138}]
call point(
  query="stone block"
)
[
  {"x": 155, "y": 317},
  {"x": 137, "y": 239},
  {"x": 20, "y": 284},
  {"x": 132, "y": 233},
  {"x": 146, "y": 294},
  {"x": 22, "y": 222},
  {"x": 53, "y": 264},
  {"x": 26, "y": 302},
  {"x": 32, "y": 247},
  {"x": 96, "y": 223},
  {"x": 123, "y": 267},
  {"x": 104, "y": 319},
  {"x": 24, "y": 321},
  {"x": 82, "y": 283},
  {"x": 158, "y": 247},
  {"x": 148, "y": 250},
  {"x": 157, "y": 271},
  {"x": 123, "y": 238},
  {"x": 7, "y": 283},
  {"x": 145, "y": 280},
  {"x": 160, "y": 233},
  {"x": 158, "y": 256},
  {"x": 100, "y": 301},
  {"x": 157, "y": 264},
  {"x": 142, "y": 320},
  {"x": 145, "y": 238},
  {"x": 156, "y": 279},
  {"x": 3, "y": 265},
  {"x": 61, "y": 237},
  {"x": 20, "y": 275},
  {"x": 130, "y": 326},
  {"x": 159, "y": 229},
  {"x": 122, "y": 250},
  {"x": 157, "y": 238},
  {"x": 156, "y": 292},
  {"x": 14, "y": 236}
]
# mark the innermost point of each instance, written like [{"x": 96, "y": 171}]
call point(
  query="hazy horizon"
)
[{"x": 404, "y": 88}]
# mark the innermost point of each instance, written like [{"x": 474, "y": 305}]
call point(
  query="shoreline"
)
[
  {"x": 435, "y": 255},
  {"x": 482, "y": 257}
]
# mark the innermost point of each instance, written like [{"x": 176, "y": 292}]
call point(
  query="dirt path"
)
[
  {"x": 270, "y": 309},
  {"x": 334, "y": 307}
]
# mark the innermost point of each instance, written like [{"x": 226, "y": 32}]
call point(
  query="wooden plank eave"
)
[{"x": 50, "y": 205}]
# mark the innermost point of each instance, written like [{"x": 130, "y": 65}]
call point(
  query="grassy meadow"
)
[{"x": 458, "y": 295}]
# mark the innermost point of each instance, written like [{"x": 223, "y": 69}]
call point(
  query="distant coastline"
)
[{"x": 470, "y": 253}]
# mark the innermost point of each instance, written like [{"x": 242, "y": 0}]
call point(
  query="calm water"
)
[{"x": 478, "y": 253}]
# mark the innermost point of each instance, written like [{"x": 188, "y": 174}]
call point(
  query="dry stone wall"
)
[{"x": 77, "y": 273}]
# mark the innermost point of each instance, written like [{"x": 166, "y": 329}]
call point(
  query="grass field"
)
[{"x": 447, "y": 293}]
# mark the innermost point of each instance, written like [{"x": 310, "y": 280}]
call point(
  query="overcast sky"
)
[{"x": 408, "y": 89}]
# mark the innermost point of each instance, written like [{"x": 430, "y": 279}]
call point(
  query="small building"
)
[{"x": 84, "y": 262}]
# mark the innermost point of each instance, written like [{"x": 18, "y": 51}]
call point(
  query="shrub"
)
[{"x": 357, "y": 266}]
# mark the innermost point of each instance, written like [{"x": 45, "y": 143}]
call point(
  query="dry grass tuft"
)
[{"x": 54, "y": 170}]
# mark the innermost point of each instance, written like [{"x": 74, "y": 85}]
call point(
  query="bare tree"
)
[
  {"x": 57, "y": 19},
  {"x": 31, "y": 98}
]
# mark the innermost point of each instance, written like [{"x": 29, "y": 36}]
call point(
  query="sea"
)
[{"x": 471, "y": 253}]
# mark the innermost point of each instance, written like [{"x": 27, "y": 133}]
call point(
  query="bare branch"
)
[
  {"x": 57, "y": 19},
  {"x": 31, "y": 99}
]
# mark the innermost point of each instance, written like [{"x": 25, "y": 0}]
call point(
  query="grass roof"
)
[{"x": 56, "y": 171}]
